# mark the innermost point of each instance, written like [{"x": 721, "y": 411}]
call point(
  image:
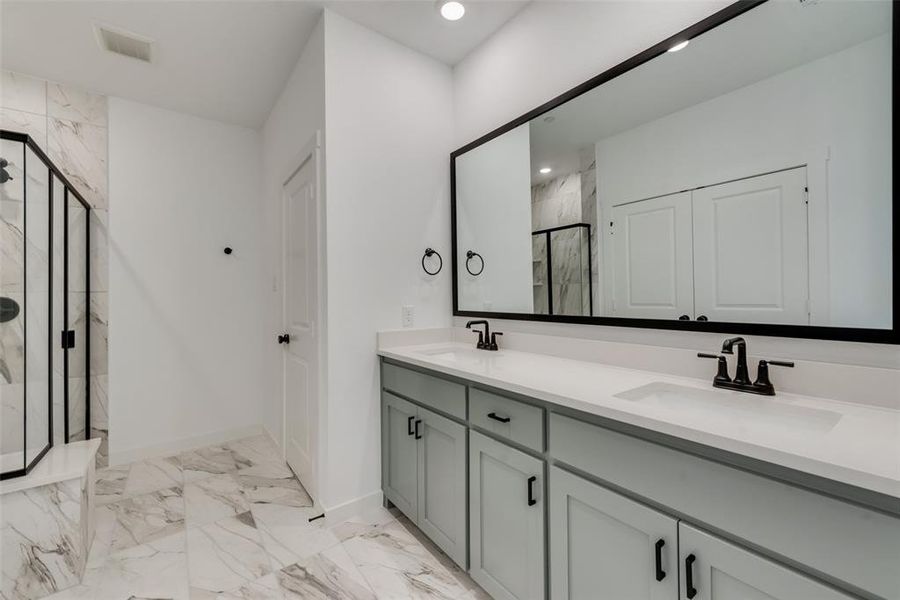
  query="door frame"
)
[{"x": 311, "y": 150}]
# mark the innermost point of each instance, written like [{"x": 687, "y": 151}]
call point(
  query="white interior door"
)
[
  {"x": 751, "y": 258},
  {"x": 652, "y": 258},
  {"x": 301, "y": 305}
]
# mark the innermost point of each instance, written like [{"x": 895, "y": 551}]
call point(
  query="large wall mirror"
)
[{"x": 741, "y": 182}]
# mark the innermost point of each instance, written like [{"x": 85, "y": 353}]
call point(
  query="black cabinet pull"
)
[
  {"x": 689, "y": 588},
  {"x": 409, "y": 426},
  {"x": 495, "y": 417},
  {"x": 660, "y": 574},
  {"x": 418, "y": 435},
  {"x": 684, "y": 318},
  {"x": 531, "y": 500},
  {"x": 702, "y": 318}
]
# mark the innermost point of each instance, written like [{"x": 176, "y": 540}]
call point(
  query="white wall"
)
[
  {"x": 493, "y": 211},
  {"x": 389, "y": 132},
  {"x": 547, "y": 49},
  {"x": 834, "y": 107},
  {"x": 187, "y": 351},
  {"x": 295, "y": 118}
]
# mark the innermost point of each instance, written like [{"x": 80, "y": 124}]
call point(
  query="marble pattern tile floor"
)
[{"x": 231, "y": 522}]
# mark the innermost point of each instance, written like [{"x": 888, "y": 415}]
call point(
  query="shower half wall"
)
[{"x": 44, "y": 292}]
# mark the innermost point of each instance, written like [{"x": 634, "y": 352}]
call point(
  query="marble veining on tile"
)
[
  {"x": 157, "y": 569},
  {"x": 72, "y": 104},
  {"x": 213, "y": 460},
  {"x": 146, "y": 518},
  {"x": 288, "y": 535},
  {"x": 226, "y": 555},
  {"x": 168, "y": 548},
  {"x": 153, "y": 474},
  {"x": 396, "y": 565},
  {"x": 43, "y": 550},
  {"x": 79, "y": 150},
  {"x": 213, "y": 498},
  {"x": 330, "y": 574}
]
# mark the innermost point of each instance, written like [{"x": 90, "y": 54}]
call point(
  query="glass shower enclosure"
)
[
  {"x": 561, "y": 261},
  {"x": 44, "y": 307}
]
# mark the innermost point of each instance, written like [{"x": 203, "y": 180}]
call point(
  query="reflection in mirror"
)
[{"x": 745, "y": 178}]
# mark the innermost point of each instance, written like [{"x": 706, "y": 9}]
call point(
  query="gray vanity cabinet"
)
[
  {"x": 442, "y": 484},
  {"x": 506, "y": 524},
  {"x": 424, "y": 471},
  {"x": 604, "y": 545},
  {"x": 713, "y": 569},
  {"x": 399, "y": 453}
]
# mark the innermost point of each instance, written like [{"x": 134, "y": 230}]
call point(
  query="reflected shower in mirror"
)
[{"x": 745, "y": 178}]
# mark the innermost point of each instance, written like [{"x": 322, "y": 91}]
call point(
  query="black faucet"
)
[
  {"x": 486, "y": 339},
  {"x": 741, "y": 381},
  {"x": 741, "y": 375}
]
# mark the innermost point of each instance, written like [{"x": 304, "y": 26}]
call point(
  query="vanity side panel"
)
[{"x": 840, "y": 541}]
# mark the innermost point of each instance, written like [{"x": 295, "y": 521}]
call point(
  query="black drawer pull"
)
[
  {"x": 409, "y": 426},
  {"x": 660, "y": 574},
  {"x": 531, "y": 500},
  {"x": 689, "y": 588},
  {"x": 418, "y": 435},
  {"x": 496, "y": 417}
]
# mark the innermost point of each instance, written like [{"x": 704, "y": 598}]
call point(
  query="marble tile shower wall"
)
[
  {"x": 71, "y": 126},
  {"x": 555, "y": 203}
]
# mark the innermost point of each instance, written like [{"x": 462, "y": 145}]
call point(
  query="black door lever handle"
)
[{"x": 284, "y": 339}]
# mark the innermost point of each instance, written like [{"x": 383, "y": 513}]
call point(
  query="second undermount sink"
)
[
  {"x": 456, "y": 354},
  {"x": 731, "y": 409}
]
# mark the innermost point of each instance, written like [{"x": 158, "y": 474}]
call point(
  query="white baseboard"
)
[
  {"x": 184, "y": 444},
  {"x": 358, "y": 506}
]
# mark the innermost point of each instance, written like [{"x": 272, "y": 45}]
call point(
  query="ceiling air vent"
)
[{"x": 124, "y": 43}]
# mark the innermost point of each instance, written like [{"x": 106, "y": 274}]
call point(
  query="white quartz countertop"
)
[
  {"x": 61, "y": 463},
  {"x": 850, "y": 443}
]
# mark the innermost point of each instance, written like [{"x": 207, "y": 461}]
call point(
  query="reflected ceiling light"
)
[
  {"x": 452, "y": 10},
  {"x": 679, "y": 46},
  {"x": 545, "y": 170}
]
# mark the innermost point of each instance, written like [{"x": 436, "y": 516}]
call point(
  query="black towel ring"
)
[
  {"x": 470, "y": 254},
  {"x": 429, "y": 252}
]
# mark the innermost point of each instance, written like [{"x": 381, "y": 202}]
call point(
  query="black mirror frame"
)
[{"x": 848, "y": 334}]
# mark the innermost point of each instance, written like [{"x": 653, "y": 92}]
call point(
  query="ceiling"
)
[
  {"x": 224, "y": 60},
  {"x": 766, "y": 41},
  {"x": 417, "y": 23}
]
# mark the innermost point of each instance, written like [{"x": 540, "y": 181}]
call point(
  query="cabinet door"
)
[
  {"x": 751, "y": 256},
  {"x": 603, "y": 545},
  {"x": 714, "y": 569},
  {"x": 506, "y": 511},
  {"x": 442, "y": 484},
  {"x": 399, "y": 471},
  {"x": 652, "y": 258}
]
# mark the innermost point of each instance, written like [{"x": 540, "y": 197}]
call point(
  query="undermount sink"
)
[
  {"x": 456, "y": 354},
  {"x": 732, "y": 409}
]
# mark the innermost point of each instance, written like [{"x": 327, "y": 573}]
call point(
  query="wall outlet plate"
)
[{"x": 408, "y": 315}]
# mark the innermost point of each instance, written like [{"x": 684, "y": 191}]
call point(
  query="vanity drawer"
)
[
  {"x": 514, "y": 420},
  {"x": 440, "y": 394},
  {"x": 852, "y": 544}
]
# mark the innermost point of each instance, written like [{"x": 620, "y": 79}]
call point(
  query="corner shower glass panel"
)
[
  {"x": 561, "y": 259},
  {"x": 37, "y": 239}
]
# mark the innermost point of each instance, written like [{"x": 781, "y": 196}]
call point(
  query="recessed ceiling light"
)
[
  {"x": 452, "y": 10},
  {"x": 545, "y": 170},
  {"x": 679, "y": 46}
]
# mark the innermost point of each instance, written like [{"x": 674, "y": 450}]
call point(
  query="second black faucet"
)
[{"x": 486, "y": 339}]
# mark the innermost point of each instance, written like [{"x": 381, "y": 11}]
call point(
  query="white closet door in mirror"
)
[
  {"x": 751, "y": 259},
  {"x": 652, "y": 260}
]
